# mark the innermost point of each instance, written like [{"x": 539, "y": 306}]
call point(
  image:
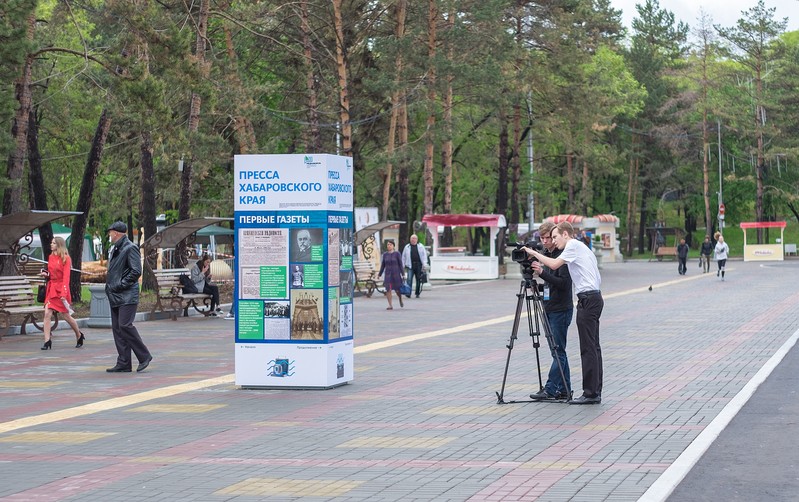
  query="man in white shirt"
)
[{"x": 586, "y": 281}]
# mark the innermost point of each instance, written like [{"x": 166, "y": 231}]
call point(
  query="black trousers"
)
[
  {"x": 126, "y": 336},
  {"x": 589, "y": 309},
  {"x": 213, "y": 290},
  {"x": 415, "y": 272}
]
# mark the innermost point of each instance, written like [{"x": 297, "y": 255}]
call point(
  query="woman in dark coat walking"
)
[{"x": 391, "y": 264}]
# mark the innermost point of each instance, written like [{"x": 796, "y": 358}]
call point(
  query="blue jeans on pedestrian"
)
[{"x": 559, "y": 327}]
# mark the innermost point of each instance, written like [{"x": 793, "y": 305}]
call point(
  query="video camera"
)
[{"x": 519, "y": 255}]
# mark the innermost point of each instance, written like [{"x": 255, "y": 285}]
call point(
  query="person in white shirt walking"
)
[{"x": 721, "y": 251}]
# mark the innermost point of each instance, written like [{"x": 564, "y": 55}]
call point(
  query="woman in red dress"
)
[{"x": 58, "y": 297}]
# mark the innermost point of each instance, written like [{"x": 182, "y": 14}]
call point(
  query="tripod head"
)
[{"x": 529, "y": 284}]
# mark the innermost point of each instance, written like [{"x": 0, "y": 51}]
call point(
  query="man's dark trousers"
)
[
  {"x": 589, "y": 309},
  {"x": 126, "y": 336},
  {"x": 415, "y": 272}
]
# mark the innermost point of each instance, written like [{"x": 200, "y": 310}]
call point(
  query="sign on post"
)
[{"x": 294, "y": 278}]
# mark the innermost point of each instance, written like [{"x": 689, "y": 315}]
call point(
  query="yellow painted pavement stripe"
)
[
  {"x": 395, "y": 442},
  {"x": 112, "y": 404},
  {"x": 55, "y": 437},
  {"x": 120, "y": 402},
  {"x": 265, "y": 487},
  {"x": 177, "y": 408}
]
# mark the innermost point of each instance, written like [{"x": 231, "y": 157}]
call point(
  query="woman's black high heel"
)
[
  {"x": 80, "y": 341},
  {"x": 48, "y": 344}
]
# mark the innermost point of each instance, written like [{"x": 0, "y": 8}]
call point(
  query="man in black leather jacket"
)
[
  {"x": 559, "y": 309},
  {"x": 122, "y": 290}
]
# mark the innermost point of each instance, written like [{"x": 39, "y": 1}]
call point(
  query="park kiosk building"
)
[{"x": 452, "y": 262}]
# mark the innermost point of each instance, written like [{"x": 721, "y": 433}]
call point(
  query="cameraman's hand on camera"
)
[
  {"x": 531, "y": 252},
  {"x": 537, "y": 267}
]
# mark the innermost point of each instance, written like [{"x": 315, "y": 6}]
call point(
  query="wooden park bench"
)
[
  {"x": 666, "y": 251},
  {"x": 169, "y": 291},
  {"x": 366, "y": 277},
  {"x": 17, "y": 298}
]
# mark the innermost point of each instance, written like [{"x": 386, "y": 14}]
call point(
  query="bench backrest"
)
[
  {"x": 169, "y": 278},
  {"x": 17, "y": 291},
  {"x": 364, "y": 270}
]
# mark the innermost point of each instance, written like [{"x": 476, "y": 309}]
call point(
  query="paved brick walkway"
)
[{"x": 420, "y": 421}]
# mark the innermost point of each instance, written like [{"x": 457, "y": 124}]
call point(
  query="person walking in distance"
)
[
  {"x": 122, "y": 290},
  {"x": 682, "y": 257},
  {"x": 414, "y": 259},
  {"x": 705, "y": 252},
  {"x": 586, "y": 280},
  {"x": 391, "y": 271},
  {"x": 558, "y": 307},
  {"x": 721, "y": 251}
]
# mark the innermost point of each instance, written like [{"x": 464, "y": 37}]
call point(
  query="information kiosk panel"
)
[{"x": 294, "y": 278}]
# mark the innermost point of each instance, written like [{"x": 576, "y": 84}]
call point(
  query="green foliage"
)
[{"x": 591, "y": 98}]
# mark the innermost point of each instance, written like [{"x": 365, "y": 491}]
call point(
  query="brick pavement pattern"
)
[{"x": 420, "y": 421}]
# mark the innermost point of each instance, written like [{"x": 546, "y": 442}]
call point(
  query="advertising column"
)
[{"x": 294, "y": 279}]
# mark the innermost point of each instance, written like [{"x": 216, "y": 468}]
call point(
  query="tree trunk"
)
[
  {"x": 243, "y": 129},
  {"x": 502, "y": 165},
  {"x": 38, "y": 194},
  {"x": 761, "y": 161},
  {"x": 343, "y": 81},
  {"x": 184, "y": 208},
  {"x": 570, "y": 176},
  {"x": 403, "y": 168},
  {"x": 706, "y": 173},
  {"x": 12, "y": 196},
  {"x": 516, "y": 168},
  {"x": 642, "y": 221},
  {"x": 585, "y": 190},
  {"x": 427, "y": 175},
  {"x": 147, "y": 210},
  {"x": 446, "y": 148},
  {"x": 630, "y": 223},
  {"x": 84, "y": 205},
  {"x": 313, "y": 141},
  {"x": 397, "y": 101}
]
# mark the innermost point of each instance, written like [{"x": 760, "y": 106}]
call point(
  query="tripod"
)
[{"x": 530, "y": 297}]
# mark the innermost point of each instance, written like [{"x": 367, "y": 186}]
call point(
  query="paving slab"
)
[{"x": 419, "y": 422}]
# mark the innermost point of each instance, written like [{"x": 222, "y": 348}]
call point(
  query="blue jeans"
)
[{"x": 559, "y": 327}]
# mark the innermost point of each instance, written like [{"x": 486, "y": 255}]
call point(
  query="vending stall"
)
[
  {"x": 764, "y": 252},
  {"x": 455, "y": 262}
]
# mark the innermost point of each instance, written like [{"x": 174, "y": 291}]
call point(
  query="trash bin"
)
[
  {"x": 598, "y": 254},
  {"x": 99, "y": 308}
]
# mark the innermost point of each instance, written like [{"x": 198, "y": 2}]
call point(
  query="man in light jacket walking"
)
[{"x": 414, "y": 259}]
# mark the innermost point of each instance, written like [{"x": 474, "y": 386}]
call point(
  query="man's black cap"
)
[{"x": 119, "y": 227}]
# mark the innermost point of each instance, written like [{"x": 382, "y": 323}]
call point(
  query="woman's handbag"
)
[
  {"x": 41, "y": 293},
  {"x": 405, "y": 289},
  {"x": 188, "y": 287}
]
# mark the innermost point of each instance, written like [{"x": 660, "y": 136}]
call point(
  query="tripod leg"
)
[
  {"x": 513, "y": 336},
  {"x": 553, "y": 346},
  {"x": 535, "y": 334}
]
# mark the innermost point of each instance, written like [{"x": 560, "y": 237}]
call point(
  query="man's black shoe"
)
[
  {"x": 545, "y": 396},
  {"x": 143, "y": 365},
  {"x": 586, "y": 400},
  {"x": 118, "y": 369}
]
